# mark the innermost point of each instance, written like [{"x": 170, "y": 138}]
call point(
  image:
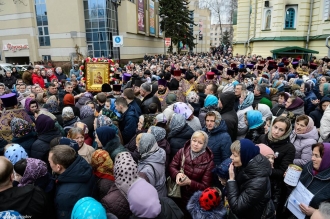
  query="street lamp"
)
[{"x": 164, "y": 17}]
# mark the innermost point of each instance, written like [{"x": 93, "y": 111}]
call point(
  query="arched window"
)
[
  {"x": 290, "y": 18},
  {"x": 268, "y": 19}
]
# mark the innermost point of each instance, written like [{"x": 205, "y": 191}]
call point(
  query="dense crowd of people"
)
[{"x": 184, "y": 136}]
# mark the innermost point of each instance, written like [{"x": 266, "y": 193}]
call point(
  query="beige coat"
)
[{"x": 86, "y": 152}]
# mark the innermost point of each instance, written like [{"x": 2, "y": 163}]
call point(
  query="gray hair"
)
[
  {"x": 325, "y": 209},
  {"x": 198, "y": 133},
  {"x": 146, "y": 86},
  {"x": 242, "y": 85},
  {"x": 58, "y": 68},
  {"x": 236, "y": 146}
]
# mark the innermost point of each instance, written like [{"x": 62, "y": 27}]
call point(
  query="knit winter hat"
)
[
  {"x": 68, "y": 99},
  {"x": 209, "y": 199},
  {"x": 265, "y": 150}
]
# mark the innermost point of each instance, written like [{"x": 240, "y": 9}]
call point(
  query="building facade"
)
[
  {"x": 65, "y": 31},
  {"x": 215, "y": 33},
  {"x": 263, "y": 26}
]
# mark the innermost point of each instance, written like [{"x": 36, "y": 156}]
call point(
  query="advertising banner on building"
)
[
  {"x": 152, "y": 17},
  {"x": 200, "y": 27},
  {"x": 167, "y": 42},
  {"x": 141, "y": 21}
]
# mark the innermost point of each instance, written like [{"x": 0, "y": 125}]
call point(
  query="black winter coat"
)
[
  {"x": 40, "y": 147},
  {"x": 26, "y": 141},
  {"x": 128, "y": 124},
  {"x": 316, "y": 116},
  {"x": 278, "y": 110},
  {"x": 249, "y": 194},
  {"x": 178, "y": 140},
  {"x": 254, "y": 134},
  {"x": 9, "y": 82},
  {"x": 147, "y": 100},
  {"x": 89, "y": 121},
  {"x": 229, "y": 114}
]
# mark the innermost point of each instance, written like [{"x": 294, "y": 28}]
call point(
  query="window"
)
[
  {"x": 290, "y": 16},
  {"x": 268, "y": 20},
  {"x": 42, "y": 22},
  {"x": 326, "y": 10},
  {"x": 46, "y": 58}
]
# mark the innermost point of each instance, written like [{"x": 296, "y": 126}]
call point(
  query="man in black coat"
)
[
  {"x": 226, "y": 104},
  {"x": 148, "y": 98},
  {"x": 27, "y": 200}
]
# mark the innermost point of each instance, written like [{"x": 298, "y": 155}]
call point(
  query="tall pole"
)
[
  {"x": 196, "y": 44},
  {"x": 116, "y": 6}
]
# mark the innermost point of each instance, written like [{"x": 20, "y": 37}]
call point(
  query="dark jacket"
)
[
  {"x": 40, "y": 147},
  {"x": 167, "y": 148},
  {"x": 219, "y": 142},
  {"x": 309, "y": 106},
  {"x": 60, "y": 76},
  {"x": 254, "y": 134},
  {"x": 76, "y": 182},
  {"x": 317, "y": 114},
  {"x": 228, "y": 114},
  {"x": 197, "y": 107},
  {"x": 278, "y": 110},
  {"x": 147, "y": 100},
  {"x": 177, "y": 140},
  {"x": 249, "y": 194},
  {"x": 102, "y": 187},
  {"x": 169, "y": 210},
  {"x": 128, "y": 124},
  {"x": 204, "y": 111},
  {"x": 131, "y": 145},
  {"x": 285, "y": 151},
  {"x": 202, "y": 97},
  {"x": 26, "y": 141},
  {"x": 27, "y": 200},
  {"x": 9, "y": 82},
  {"x": 199, "y": 171},
  {"x": 136, "y": 107},
  {"x": 89, "y": 121},
  {"x": 317, "y": 184},
  {"x": 116, "y": 203},
  {"x": 258, "y": 98}
]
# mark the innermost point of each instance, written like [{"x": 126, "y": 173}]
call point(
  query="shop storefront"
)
[{"x": 16, "y": 51}]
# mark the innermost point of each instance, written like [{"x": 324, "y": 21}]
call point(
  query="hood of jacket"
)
[
  {"x": 228, "y": 101},
  {"x": 259, "y": 166},
  {"x": 197, "y": 211},
  {"x": 312, "y": 134},
  {"x": 254, "y": 119},
  {"x": 78, "y": 172},
  {"x": 158, "y": 157},
  {"x": 48, "y": 136}
]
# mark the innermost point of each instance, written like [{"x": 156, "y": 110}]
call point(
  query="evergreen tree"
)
[
  {"x": 176, "y": 22},
  {"x": 226, "y": 38}
]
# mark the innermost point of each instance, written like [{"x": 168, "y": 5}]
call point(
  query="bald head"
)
[{"x": 6, "y": 170}]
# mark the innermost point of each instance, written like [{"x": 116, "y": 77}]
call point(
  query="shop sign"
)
[{"x": 14, "y": 48}]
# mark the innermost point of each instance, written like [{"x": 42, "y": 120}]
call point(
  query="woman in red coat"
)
[
  {"x": 37, "y": 79},
  {"x": 197, "y": 168}
]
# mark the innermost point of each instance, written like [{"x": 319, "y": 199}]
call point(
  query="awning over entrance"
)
[{"x": 293, "y": 51}]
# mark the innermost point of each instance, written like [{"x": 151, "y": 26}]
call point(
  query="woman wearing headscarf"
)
[
  {"x": 103, "y": 120},
  {"x": 85, "y": 150},
  {"x": 324, "y": 89},
  {"x": 145, "y": 121},
  {"x": 180, "y": 132},
  {"x": 126, "y": 173},
  {"x": 295, "y": 105},
  {"x": 103, "y": 170},
  {"x": 23, "y": 134},
  {"x": 88, "y": 207},
  {"x": 53, "y": 107},
  {"x": 160, "y": 136},
  {"x": 69, "y": 119},
  {"x": 15, "y": 153},
  {"x": 246, "y": 101},
  {"x": 104, "y": 135},
  {"x": 68, "y": 101},
  {"x": 197, "y": 168},
  {"x": 255, "y": 123},
  {"x": 316, "y": 178},
  {"x": 184, "y": 109},
  {"x": 31, "y": 106},
  {"x": 317, "y": 114},
  {"x": 278, "y": 139},
  {"x": 210, "y": 104},
  {"x": 47, "y": 131},
  {"x": 34, "y": 172},
  {"x": 219, "y": 140},
  {"x": 152, "y": 162},
  {"x": 303, "y": 137},
  {"x": 87, "y": 117},
  {"x": 193, "y": 99},
  {"x": 307, "y": 88},
  {"x": 87, "y": 139},
  {"x": 248, "y": 187}
]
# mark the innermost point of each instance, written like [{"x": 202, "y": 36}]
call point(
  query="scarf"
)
[
  {"x": 183, "y": 109},
  {"x": 147, "y": 145},
  {"x": 35, "y": 169},
  {"x": 158, "y": 132},
  {"x": 192, "y": 97},
  {"x": 44, "y": 124},
  {"x": 103, "y": 120},
  {"x": 177, "y": 123},
  {"x": 67, "y": 113},
  {"x": 86, "y": 111},
  {"x": 102, "y": 165},
  {"x": 210, "y": 100},
  {"x": 247, "y": 101},
  {"x": 52, "y": 104},
  {"x": 148, "y": 120},
  {"x": 15, "y": 153},
  {"x": 285, "y": 136},
  {"x": 125, "y": 172},
  {"x": 20, "y": 127}
]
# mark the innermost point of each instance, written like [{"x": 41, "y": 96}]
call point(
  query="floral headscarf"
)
[
  {"x": 52, "y": 104},
  {"x": 183, "y": 109},
  {"x": 177, "y": 123},
  {"x": 86, "y": 111},
  {"x": 85, "y": 128},
  {"x": 248, "y": 101},
  {"x": 35, "y": 169},
  {"x": 103, "y": 120},
  {"x": 158, "y": 132},
  {"x": 102, "y": 165},
  {"x": 20, "y": 127},
  {"x": 15, "y": 153},
  {"x": 161, "y": 118},
  {"x": 125, "y": 172},
  {"x": 67, "y": 113},
  {"x": 192, "y": 97},
  {"x": 148, "y": 120},
  {"x": 147, "y": 145}
]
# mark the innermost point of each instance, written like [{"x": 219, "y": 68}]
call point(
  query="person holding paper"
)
[{"x": 316, "y": 177}]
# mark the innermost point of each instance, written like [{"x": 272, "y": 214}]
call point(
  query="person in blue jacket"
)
[
  {"x": 219, "y": 139},
  {"x": 129, "y": 119},
  {"x": 74, "y": 179},
  {"x": 307, "y": 88},
  {"x": 75, "y": 71}
]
